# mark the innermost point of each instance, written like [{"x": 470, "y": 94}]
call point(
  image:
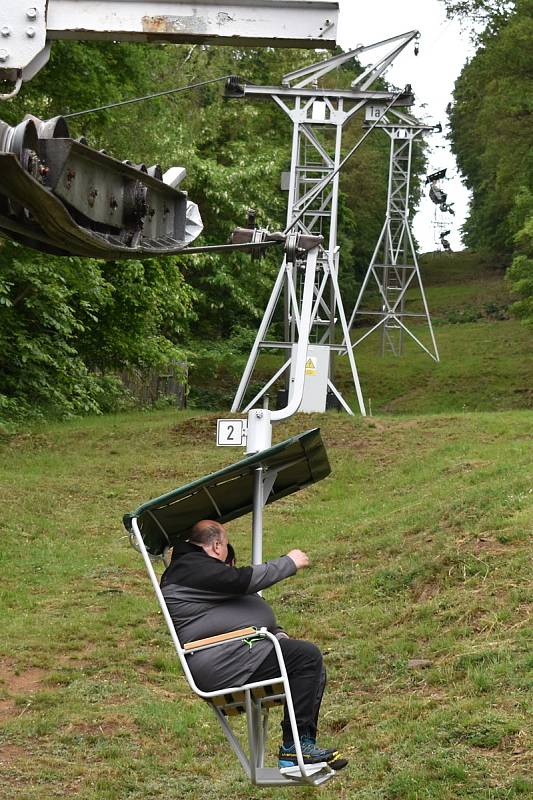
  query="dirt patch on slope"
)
[
  {"x": 198, "y": 429},
  {"x": 17, "y": 684},
  {"x": 11, "y": 753},
  {"x": 25, "y": 682},
  {"x": 7, "y": 709}
]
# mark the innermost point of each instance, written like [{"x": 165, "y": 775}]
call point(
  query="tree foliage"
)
[
  {"x": 520, "y": 273},
  {"x": 491, "y": 122},
  {"x": 483, "y": 13}
]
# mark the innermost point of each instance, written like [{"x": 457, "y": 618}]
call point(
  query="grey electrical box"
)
[{"x": 316, "y": 378}]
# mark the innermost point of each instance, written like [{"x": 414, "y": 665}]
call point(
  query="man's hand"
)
[{"x": 300, "y": 558}]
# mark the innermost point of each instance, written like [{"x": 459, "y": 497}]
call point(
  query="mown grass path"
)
[{"x": 417, "y": 593}]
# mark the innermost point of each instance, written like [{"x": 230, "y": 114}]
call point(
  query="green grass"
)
[
  {"x": 486, "y": 358},
  {"x": 483, "y": 366},
  {"x": 419, "y": 544}
]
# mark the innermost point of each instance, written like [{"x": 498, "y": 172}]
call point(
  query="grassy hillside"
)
[
  {"x": 419, "y": 547},
  {"x": 417, "y": 593},
  {"x": 486, "y": 356}
]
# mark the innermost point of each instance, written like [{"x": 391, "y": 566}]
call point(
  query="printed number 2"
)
[{"x": 231, "y": 431}]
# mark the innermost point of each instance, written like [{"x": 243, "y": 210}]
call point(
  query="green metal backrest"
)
[{"x": 227, "y": 494}]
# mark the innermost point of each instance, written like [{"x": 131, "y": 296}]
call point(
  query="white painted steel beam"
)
[
  {"x": 28, "y": 26},
  {"x": 293, "y": 23},
  {"x": 377, "y": 96}
]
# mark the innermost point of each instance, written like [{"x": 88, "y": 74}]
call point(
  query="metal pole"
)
[
  {"x": 396, "y": 247},
  {"x": 389, "y": 250},
  {"x": 257, "y": 518},
  {"x": 367, "y": 276},
  {"x": 436, "y": 356},
  {"x": 355, "y": 376},
  {"x": 405, "y": 235},
  {"x": 332, "y": 257}
]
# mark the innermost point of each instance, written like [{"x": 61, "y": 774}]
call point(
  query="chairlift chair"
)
[
  {"x": 437, "y": 195},
  {"x": 244, "y": 487}
]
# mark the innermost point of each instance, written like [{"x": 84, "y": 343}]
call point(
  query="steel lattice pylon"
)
[
  {"x": 318, "y": 117},
  {"x": 315, "y": 201},
  {"x": 394, "y": 268}
]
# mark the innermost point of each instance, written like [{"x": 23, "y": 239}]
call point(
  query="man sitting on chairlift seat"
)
[{"x": 207, "y": 595}]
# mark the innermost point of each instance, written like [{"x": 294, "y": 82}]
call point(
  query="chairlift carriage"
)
[
  {"x": 266, "y": 475},
  {"x": 445, "y": 242},
  {"x": 244, "y": 487},
  {"x": 440, "y": 198}
]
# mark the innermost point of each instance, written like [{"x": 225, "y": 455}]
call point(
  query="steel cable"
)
[{"x": 148, "y": 97}]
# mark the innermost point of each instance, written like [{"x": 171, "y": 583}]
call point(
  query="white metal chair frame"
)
[{"x": 256, "y": 714}]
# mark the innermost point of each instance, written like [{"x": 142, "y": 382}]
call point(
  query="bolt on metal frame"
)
[
  {"x": 319, "y": 117},
  {"x": 394, "y": 267}
]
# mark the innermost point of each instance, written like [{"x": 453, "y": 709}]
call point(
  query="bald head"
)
[
  {"x": 212, "y": 537},
  {"x": 206, "y": 532}
]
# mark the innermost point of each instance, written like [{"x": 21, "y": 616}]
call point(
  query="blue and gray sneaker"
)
[{"x": 311, "y": 755}]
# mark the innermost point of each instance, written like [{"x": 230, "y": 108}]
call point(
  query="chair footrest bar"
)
[
  {"x": 319, "y": 773},
  {"x": 271, "y": 776}
]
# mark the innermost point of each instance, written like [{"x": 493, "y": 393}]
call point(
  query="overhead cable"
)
[{"x": 148, "y": 97}]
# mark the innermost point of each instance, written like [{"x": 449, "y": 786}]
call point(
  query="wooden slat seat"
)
[{"x": 233, "y": 704}]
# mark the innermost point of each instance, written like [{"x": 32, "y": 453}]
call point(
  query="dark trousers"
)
[{"x": 307, "y": 679}]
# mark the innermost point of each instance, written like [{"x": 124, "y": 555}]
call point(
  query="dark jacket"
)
[{"x": 206, "y": 597}]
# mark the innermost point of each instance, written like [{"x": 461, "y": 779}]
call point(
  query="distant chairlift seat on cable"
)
[
  {"x": 437, "y": 195},
  {"x": 225, "y": 495}
]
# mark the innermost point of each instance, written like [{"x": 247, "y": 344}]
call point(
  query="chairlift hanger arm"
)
[
  {"x": 311, "y": 73},
  {"x": 237, "y": 90},
  {"x": 28, "y": 28}
]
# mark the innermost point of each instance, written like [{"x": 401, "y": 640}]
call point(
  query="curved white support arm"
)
[
  {"x": 259, "y": 419},
  {"x": 303, "y": 341}
]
